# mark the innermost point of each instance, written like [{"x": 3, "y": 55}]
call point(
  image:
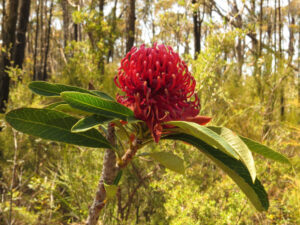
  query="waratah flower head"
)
[{"x": 158, "y": 87}]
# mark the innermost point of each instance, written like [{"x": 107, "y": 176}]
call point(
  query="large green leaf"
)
[
  {"x": 47, "y": 89},
  {"x": 265, "y": 151},
  {"x": 94, "y": 104},
  {"x": 89, "y": 122},
  {"x": 53, "y": 125},
  {"x": 169, "y": 160},
  {"x": 234, "y": 168},
  {"x": 239, "y": 146},
  {"x": 205, "y": 134}
]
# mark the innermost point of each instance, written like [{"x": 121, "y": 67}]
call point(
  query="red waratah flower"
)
[{"x": 158, "y": 87}]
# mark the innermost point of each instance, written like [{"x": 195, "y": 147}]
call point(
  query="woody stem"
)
[{"x": 110, "y": 169}]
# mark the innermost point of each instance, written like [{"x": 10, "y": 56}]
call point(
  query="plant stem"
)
[{"x": 109, "y": 171}]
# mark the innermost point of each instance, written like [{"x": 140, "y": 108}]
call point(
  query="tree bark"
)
[
  {"x": 109, "y": 172},
  {"x": 299, "y": 62},
  {"x": 196, "y": 31},
  {"x": 45, "y": 74},
  {"x": 239, "y": 48},
  {"x": 291, "y": 49},
  {"x": 3, "y": 16},
  {"x": 37, "y": 26},
  {"x": 8, "y": 43},
  {"x": 282, "y": 97},
  {"x": 66, "y": 20},
  {"x": 21, "y": 33},
  {"x": 130, "y": 25},
  {"x": 260, "y": 26},
  {"x": 112, "y": 39},
  {"x": 197, "y": 22},
  {"x": 110, "y": 169},
  {"x": 101, "y": 6}
]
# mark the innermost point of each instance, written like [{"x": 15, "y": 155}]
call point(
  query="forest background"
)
[{"x": 244, "y": 55}]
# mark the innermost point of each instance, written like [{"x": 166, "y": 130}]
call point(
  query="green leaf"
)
[
  {"x": 265, "y": 151},
  {"x": 69, "y": 110},
  {"x": 102, "y": 95},
  {"x": 118, "y": 177},
  {"x": 47, "y": 89},
  {"x": 234, "y": 168},
  {"x": 239, "y": 146},
  {"x": 94, "y": 104},
  {"x": 53, "y": 125},
  {"x": 206, "y": 135},
  {"x": 111, "y": 190},
  {"x": 53, "y": 105},
  {"x": 89, "y": 122},
  {"x": 169, "y": 160}
]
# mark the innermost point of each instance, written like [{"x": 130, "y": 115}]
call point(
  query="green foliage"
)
[
  {"x": 220, "y": 144},
  {"x": 169, "y": 160},
  {"x": 206, "y": 135},
  {"x": 234, "y": 168},
  {"x": 55, "y": 182},
  {"x": 89, "y": 122},
  {"x": 265, "y": 151},
  {"x": 53, "y": 125},
  {"x": 239, "y": 146},
  {"x": 93, "y": 104}
]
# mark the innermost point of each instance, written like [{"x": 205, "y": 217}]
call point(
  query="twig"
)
[
  {"x": 119, "y": 198},
  {"x": 13, "y": 177},
  {"x": 131, "y": 195},
  {"x": 240, "y": 214},
  {"x": 126, "y": 158}
]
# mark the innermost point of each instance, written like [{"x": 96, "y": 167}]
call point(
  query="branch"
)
[
  {"x": 132, "y": 194},
  {"x": 109, "y": 172},
  {"x": 126, "y": 158}
]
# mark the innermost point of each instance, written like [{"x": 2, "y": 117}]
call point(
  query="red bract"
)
[{"x": 158, "y": 87}]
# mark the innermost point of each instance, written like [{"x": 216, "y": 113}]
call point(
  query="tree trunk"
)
[
  {"x": 40, "y": 41},
  {"x": 130, "y": 25},
  {"x": 282, "y": 98},
  {"x": 21, "y": 32},
  {"x": 101, "y": 6},
  {"x": 239, "y": 48},
  {"x": 108, "y": 175},
  {"x": 101, "y": 62},
  {"x": 112, "y": 39},
  {"x": 260, "y": 26},
  {"x": 66, "y": 20},
  {"x": 3, "y": 16},
  {"x": 8, "y": 43},
  {"x": 45, "y": 74},
  {"x": 275, "y": 31},
  {"x": 291, "y": 49},
  {"x": 196, "y": 23},
  {"x": 37, "y": 27},
  {"x": 299, "y": 62}
]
